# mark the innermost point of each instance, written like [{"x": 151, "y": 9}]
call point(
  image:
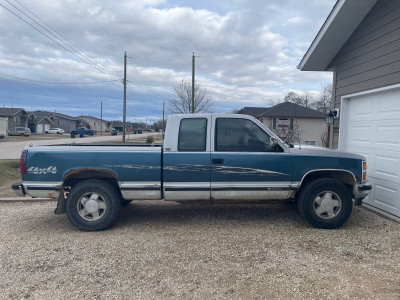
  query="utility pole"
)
[
  {"x": 101, "y": 117},
  {"x": 163, "y": 114},
  {"x": 193, "y": 58},
  {"x": 124, "y": 116}
]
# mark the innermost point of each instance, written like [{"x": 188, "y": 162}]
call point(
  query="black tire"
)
[
  {"x": 325, "y": 203},
  {"x": 102, "y": 210}
]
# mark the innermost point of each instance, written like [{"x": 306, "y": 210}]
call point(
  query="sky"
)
[{"x": 68, "y": 56}]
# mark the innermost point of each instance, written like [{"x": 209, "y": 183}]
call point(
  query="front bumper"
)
[{"x": 360, "y": 191}]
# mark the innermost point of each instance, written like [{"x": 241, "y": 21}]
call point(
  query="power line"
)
[
  {"x": 80, "y": 52},
  {"x": 93, "y": 65},
  {"x": 146, "y": 89},
  {"x": 61, "y": 83},
  {"x": 98, "y": 23}
]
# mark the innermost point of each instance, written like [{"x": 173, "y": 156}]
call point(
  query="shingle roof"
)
[
  {"x": 8, "y": 111},
  {"x": 40, "y": 115},
  {"x": 289, "y": 109},
  {"x": 65, "y": 116},
  {"x": 90, "y": 117},
  {"x": 252, "y": 111}
]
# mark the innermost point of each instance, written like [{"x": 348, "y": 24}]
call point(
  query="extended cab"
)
[{"x": 214, "y": 158}]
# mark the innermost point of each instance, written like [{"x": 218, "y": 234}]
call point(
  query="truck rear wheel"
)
[
  {"x": 325, "y": 203},
  {"x": 93, "y": 205}
]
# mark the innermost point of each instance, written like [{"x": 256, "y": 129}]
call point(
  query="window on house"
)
[
  {"x": 291, "y": 123},
  {"x": 309, "y": 143},
  {"x": 16, "y": 119},
  {"x": 274, "y": 123},
  {"x": 192, "y": 135}
]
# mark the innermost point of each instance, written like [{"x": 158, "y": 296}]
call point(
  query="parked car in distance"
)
[
  {"x": 55, "y": 130},
  {"x": 22, "y": 131},
  {"x": 83, "y": 131}
]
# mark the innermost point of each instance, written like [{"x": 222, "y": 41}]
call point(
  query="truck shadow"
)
[{"x": 169, "y": 213}]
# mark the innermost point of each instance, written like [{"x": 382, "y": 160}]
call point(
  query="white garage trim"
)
[
  {"x": 345, "y": 105},
  {"x": 370, "y": 125}
]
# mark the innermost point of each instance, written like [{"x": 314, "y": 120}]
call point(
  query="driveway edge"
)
[{"x": 24, "y": 199}]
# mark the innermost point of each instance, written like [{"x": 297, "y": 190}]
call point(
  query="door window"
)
[{"x": 241, "y": 135}]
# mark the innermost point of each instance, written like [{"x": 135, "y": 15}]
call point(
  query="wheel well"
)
[
  {"x": 342, "y": 176},
  {"x": 75, "y": 176}
]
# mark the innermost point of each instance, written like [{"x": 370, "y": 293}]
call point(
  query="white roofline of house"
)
[{"x": 342, "y": 21}]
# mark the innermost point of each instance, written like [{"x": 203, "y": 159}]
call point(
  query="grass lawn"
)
[
  {"x": 9, "y": 174},
  {"x": 34, "y": 137}
]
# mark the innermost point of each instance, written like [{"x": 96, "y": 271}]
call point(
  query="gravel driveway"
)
[{"x": 161, "y": 250}]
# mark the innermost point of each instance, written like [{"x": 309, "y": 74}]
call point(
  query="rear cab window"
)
[{"x": 192, "y": 134}]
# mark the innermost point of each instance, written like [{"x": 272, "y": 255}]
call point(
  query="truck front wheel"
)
[
  {"x": 93, "y": 205},
  {"x": 325, "y": 203}
]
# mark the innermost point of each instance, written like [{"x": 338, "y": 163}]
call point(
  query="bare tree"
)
[
  {"x": 323, "y": 104},
  {"x": 287, "y": 134},
  {"x": 304, "y": 99},
  {"x": 324, "y": 139},
  {"x": 182, "y": 102}
]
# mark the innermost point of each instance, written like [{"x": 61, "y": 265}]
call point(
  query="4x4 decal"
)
[{"x": 37, "y": 170}]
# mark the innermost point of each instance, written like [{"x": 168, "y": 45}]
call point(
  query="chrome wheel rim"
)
[
  {"x": 91, "y": 206},
  {"x": 327, "y": 205}
]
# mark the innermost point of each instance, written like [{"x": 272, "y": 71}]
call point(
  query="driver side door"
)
[{"x": 244, "y": 163}]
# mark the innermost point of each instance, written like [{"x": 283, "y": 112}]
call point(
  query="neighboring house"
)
[
  {"x": 40, "y": 121},
  {"x": 3, "y": 126},
  {"x": 252, "y": 111},
  {"x": 360, "y": 43},
  {"x": 17, "y": 117},
  {"x": 293, "y": 123},
  {"x": 65, "y": 122},
  {"x": 95, "y": 123}
]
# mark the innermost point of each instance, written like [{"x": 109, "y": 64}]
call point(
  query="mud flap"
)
[{"x": 60, "y": 203}]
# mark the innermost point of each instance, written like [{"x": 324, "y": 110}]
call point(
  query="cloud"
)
[{"x": 246, "y": 51}]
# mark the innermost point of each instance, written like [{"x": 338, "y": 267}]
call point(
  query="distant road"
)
[{"x": 12, "y": 150}]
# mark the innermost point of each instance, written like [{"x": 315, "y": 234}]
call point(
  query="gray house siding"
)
[
  {"x": 370, "y": 58},
  {"x": 21, "y": 119},
  {"x": 65, "y": 124}
]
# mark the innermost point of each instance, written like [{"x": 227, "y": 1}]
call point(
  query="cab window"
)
[
  {"x": 192, "y": 134},
  {"x": 237, "y": 135}
]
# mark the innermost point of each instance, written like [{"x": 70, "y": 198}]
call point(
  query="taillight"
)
[
  {"x": 364, "y": 165},
  {"x": 22, "y": 161}
]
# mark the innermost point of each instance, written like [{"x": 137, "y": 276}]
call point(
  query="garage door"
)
[
  {"x": 46, "y": 127},
  {"x": 370, "y": 125},
  {"x": 39, "y": 128}
]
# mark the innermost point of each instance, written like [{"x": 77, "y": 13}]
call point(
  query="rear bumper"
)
[
  {"x": 37, "y": 189},
  {"x": 360, "y": 191},
  {"x": 19, "y": 189}
]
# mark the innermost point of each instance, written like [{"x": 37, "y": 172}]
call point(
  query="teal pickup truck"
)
[{"x": 209, "y": 158}]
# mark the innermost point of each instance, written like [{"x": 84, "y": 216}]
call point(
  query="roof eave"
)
[{"x": 343, "y": 20}]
